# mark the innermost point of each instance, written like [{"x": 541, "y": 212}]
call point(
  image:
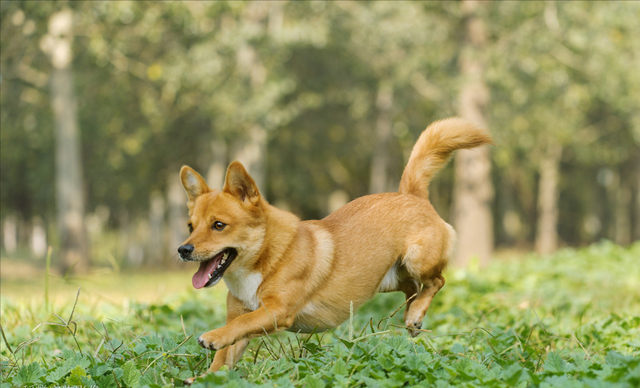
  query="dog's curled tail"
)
[{"x": 433, "y": 149}]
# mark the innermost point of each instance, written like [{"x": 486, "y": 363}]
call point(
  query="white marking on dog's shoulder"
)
[
  {"x": 324, "y": 251},
  {"x": 244, "y": 286},
  {"x": 390, "y": 280}
]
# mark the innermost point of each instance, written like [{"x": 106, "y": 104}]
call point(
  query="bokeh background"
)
[{"x": 103, "y": 102}]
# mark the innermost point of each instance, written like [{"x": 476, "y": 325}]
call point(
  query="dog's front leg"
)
[
  {"x": 231, "y": 354},
  {"x": 227, "y": 356},
  {"x": 270, "y": 317}
]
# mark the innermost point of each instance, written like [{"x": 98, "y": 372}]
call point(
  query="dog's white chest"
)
[{"x": 244, "y": 286}]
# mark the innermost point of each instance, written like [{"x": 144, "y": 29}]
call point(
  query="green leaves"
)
[
  {"x": 79, "y": 377},
  {"x": 483, "y": 335},
  {"x": 29, "y": 375},
  {"x": 131, "y": 375},
  {"x": 555, "y": 363}
]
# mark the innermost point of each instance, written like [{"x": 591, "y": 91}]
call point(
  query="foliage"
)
[
  {"x": 158, "y": 82},
  {"x": 569, "y": 320}
]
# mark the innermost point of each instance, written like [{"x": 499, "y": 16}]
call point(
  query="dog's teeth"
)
[
  {"x": 219, "y": 265},
  {"x": 223, "y": 260},
  {"x": 224, "y": 257},
  {"x": 210, "y": 276}
]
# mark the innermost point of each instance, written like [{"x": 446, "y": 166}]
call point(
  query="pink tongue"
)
[{"x": 201, "y": 277}]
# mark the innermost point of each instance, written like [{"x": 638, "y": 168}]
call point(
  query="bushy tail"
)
[{"x": 433, "y": 149}]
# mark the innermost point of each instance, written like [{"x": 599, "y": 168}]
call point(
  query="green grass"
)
[{"x": 569, "y": 320}]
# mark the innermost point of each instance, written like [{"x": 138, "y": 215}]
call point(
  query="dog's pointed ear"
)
[
  {"x": 194, "y": 185},
  {"x": 239, "y": 184}
]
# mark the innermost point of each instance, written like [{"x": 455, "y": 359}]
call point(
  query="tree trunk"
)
[
  {"x": 10, "y": 234},
  {"x": 623, "y": 213},
  {"x": 380, "y": 161},
  {"x": 252, "y": 153},
  {"x": 38, "y": 237},
  {"x": 473, "y": 190},
  {"x": 218, "y": 167},
  {"x": 178, "y": 216},
  {"x": 547, "y": 231},
  {"x": 252, "y": 150},
  {"x": 70, "y": 196},
  {"x": 636, "y": 236},
  {"x": 156, "y": 248}
]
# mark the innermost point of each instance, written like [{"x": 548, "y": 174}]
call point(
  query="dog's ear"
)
[
  {"x": 193, "y": 184},
  {"x": 239, "y": 184}
]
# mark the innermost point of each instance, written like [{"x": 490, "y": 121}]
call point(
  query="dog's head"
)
[{"x": 227, "y": 227}]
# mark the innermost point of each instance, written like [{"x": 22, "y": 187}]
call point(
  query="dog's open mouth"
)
[{"x": 211, "y": 271}]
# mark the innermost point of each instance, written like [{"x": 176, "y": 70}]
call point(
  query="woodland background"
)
[{"x": 103, "y": 102}]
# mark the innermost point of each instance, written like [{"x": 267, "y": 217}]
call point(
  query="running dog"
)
[{"x": 286, "y": 274}]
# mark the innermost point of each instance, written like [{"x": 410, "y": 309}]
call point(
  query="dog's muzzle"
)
[{"x": 185, "y": 251}]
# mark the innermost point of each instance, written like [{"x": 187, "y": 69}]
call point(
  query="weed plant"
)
[{"x": 568, "y": 320}]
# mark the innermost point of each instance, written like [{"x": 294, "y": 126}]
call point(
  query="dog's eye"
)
[
  {"x": 190, "y": 227},
  {"x": 219, "y": 225}
]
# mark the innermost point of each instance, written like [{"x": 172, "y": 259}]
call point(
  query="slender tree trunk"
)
[
  {"x": 380, "y": 161},
  {"x": 124, "y": 239},
  {"x": 547, "y": 228},
  {"x": 138, "y": 233},
  {"x": 252, "y": 150},
  {"x": 38, "y": 237},
  {"x": 10, "y": 234},
  {"x": 70, "y": 196},
  {"x": 612, "y": 184},
  {"x": 623, "y": 213},
  {"x": 252, "y": 153},
  {"x": 218, "y": 167},
  {"x": 177, "y": 217},
  {"x": 636, "y": 236},
  {"x": 473, "y": 190},
  {"x": 156, "y": 247}
]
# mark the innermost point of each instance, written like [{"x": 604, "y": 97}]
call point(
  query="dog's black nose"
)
[{"x": 185, "y": 250}]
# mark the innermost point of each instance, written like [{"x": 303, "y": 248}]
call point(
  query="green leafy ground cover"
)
[{"x": 570, "y": 320}]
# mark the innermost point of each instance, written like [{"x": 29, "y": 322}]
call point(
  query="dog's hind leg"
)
[
  {"x": 418, "y": 309},
  {"x": 411, "y": 289},
  {"x": 425, "y": 259}
]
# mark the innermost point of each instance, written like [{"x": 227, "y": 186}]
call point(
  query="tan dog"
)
[{"x": 287, "y": 274}]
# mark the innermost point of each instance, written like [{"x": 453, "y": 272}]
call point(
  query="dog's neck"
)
[
  {"x": 243, "y": 282},
  {"x": 283, "y": 224}
]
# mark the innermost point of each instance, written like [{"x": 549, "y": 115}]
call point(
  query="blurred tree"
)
[
  {"x": 325, "y": 93},
  {"x": 547, "y": 226},
  {"x": 69, "y": 182},
  {"x": 26, "y": 135},
  {"x": 556, "y": 109},
  {"x": 392, "y": 44},
  {"x": 473, "y": 191}
]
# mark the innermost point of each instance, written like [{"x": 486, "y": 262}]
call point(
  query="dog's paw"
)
[
  {"x": 191, "y": 380},
  {"x": 213, "y": 340},
  {"x": 413, "y": 327}
]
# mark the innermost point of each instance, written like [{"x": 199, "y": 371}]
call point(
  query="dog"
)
[{"x": 286, "y": 274}]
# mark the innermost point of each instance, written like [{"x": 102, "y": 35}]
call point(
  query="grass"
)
[{"x": 572, "y": 319}]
